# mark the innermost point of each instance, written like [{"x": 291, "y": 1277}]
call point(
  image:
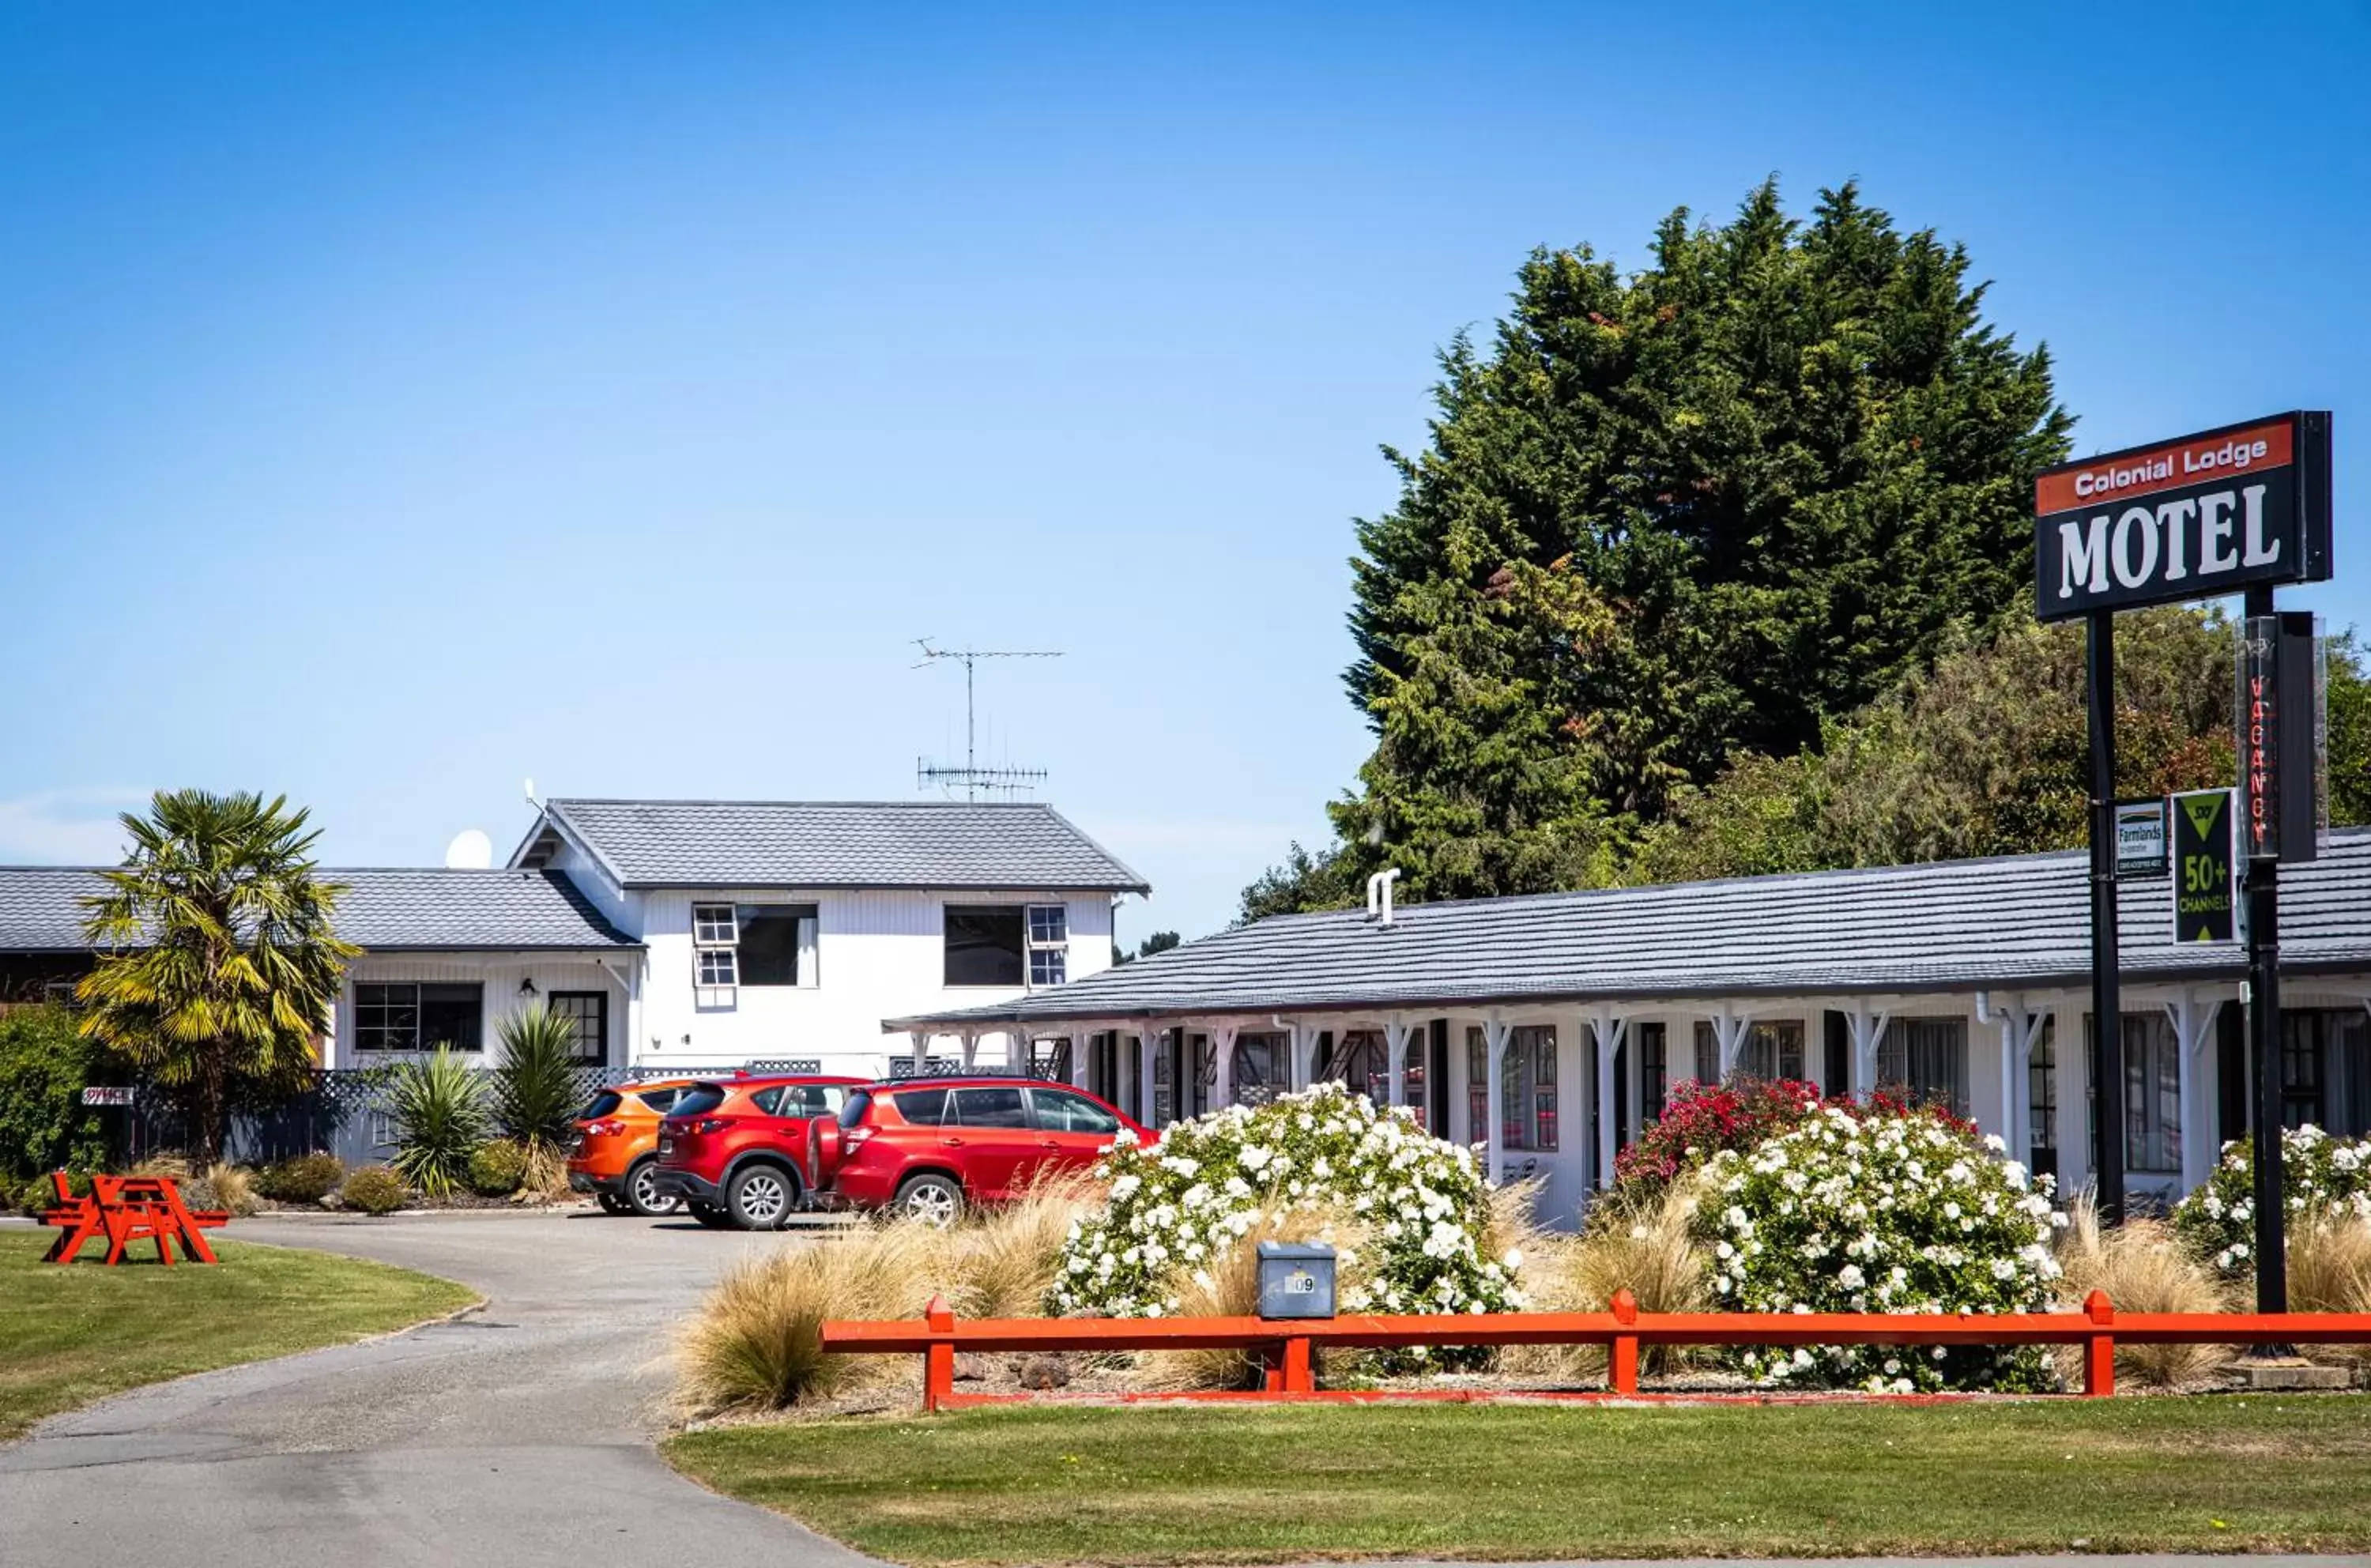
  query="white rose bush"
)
[
  {"x": 1418, "y": 1205},
  {"x": 2321, "y": 1177},
  {"x": 1850, "y": 1212}
]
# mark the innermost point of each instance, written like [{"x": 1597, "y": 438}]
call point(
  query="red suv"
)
[
  {"x": 928, "y": 1148},
  {"x": 734, "y": 1150}
]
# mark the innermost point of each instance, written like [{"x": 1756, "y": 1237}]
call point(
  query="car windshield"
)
[
  {"x": 602, "y": 1104},
  {"x": 659, "y": 1100},
  {"x": 853, "y": 1114},
  {"x": 699, "y": 1099}
]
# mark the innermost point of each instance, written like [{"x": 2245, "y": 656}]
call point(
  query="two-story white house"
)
[{"x": 715, "y": 933}]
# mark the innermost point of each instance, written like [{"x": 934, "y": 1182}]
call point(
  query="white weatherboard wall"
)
[
  {"x": 500, "y": 974},
  {"x": 878, "y": 954},
  {"x": 881, "y": 953}
]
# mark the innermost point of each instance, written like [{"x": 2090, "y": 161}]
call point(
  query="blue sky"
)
[{"x": 399, "y": 401}]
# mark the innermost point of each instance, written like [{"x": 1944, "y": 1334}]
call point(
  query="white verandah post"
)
[
  {"x": 1147, "y": 1051},
  {"x": 1303, "y": 1047},
  {"x": 2020, "y": 1026},
  {"x": 920, "y": 1043},
  {"x": 1867, "y": 1033},
  {"x": 1495, "y": 1031},
  {"x": 1606, "y": 1030},
  {"x": 1729, "y": 1029},
  {"x": 1396, "y": 1038},
  {"x": 1223, "y": 1058},
  {"x": 2192, "y": 1022}
]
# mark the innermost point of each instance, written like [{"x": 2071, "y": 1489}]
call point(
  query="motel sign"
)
[{"x": 2195, "y": 518}]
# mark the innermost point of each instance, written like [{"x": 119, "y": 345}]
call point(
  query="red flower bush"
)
[{"x": 1700, "y": 1120}]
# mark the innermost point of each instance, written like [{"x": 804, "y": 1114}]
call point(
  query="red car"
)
[
  {"x": 928, "y": 1148},
  {"x": 736, "y": 1151}
]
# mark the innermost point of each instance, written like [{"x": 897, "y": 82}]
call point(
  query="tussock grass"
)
[
  {"x": 998, "y": 1261},
  {"x": 234, "y": 1188},
  {"x": 1645, "y": 1247},
  {"x": 1226, "y": 1285},
  {"x": 2330, "y": 1271},
  {"x": 2143, "y": 1268},
  {"x": 756, "y": 1343}
]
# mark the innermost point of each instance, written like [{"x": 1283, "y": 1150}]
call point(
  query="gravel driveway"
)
[{"x": 514, "y": 1438}]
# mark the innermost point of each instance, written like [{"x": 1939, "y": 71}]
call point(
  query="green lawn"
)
[
  {"x": 1169, "y": 1484},
  {"x": 70, "y": 1335}
]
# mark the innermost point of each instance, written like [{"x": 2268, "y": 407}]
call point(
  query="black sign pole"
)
[
  {"x": 2107, "y": 1006},
  {"x": 2265, "y": 1029}
]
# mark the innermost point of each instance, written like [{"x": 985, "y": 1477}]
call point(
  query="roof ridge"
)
[{"x": 869, "y": 805}]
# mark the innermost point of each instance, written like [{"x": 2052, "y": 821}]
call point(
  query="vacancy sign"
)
[{"x": 2203, "y": 515}]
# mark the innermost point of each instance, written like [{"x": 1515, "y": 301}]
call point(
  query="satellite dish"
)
[{"x": 469, "y": 852}]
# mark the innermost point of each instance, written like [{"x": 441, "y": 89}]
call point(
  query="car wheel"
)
[
  {"x": 642, "y": 1191},
  {"x": 612, "y": 1204},
  {"x": 761, "y": 1197},
  {"x": 934, "y": 1200},
  {"x": 710, "y": 1216}
]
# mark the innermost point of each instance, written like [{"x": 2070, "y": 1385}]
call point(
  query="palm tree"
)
[{"x": 217, "y": 966}]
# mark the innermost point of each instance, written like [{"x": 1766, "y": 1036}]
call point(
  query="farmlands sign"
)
[{"x": 2188, "y": 519}]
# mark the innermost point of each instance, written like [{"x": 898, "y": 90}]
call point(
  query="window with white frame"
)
[
  {"x": 735, "y": 945},
  {"x": 715, "y": 955},
  {"x": 1049, "y": 944}
]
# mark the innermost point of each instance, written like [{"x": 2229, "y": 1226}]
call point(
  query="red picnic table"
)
[{"x": 125, "y": 1210}]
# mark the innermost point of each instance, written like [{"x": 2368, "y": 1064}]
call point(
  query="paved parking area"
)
[{"x": 514, "y": 1438}]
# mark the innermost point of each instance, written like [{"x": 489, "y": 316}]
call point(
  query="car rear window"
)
[
  {"x": 659, "y": 1100},
  {"x": 988, "y": 1108},
  {"x": 608, "y": 1099},
  {"x": 923, "y": 1107},
  {"x": 698, "y": 1101},
  {"x": 853, "y": 1114}
]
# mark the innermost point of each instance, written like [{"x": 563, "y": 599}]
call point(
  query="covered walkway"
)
[{"x": 1551, "y": 1028}]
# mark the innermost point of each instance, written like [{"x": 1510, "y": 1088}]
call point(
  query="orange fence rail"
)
[{"x": 1285, "y": 1346}]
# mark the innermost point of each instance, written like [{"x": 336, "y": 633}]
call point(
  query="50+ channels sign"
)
[{"x": 2202, "y": 515}]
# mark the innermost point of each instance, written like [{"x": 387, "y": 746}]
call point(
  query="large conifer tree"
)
[{"x": 1666, "y": 517}]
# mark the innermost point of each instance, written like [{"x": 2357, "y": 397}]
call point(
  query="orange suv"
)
[{"x": 615, "y": 1151}]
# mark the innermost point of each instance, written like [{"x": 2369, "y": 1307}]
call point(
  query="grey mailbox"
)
[{"x": 1296, "y": 1279}]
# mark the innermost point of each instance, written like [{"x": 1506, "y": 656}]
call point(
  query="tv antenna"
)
[{"x": 971, "y": 778}]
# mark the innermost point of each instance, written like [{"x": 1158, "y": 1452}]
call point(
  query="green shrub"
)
[
  {"x": 44, "y": 1065},
  {"x": 37, "y": 1195},
  {"x": 440, "y": 1119},
  {"x": 374, "y": 1189},
  {"x": 497, "y": 1169},
  {"x": 308, "y": 1179}
]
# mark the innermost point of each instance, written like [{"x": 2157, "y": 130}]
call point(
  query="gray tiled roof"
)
[
  {"x": 2016, "y": 922},
  {"x": 383, "y": 910},
  {"x": 820, "y": 844}
]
